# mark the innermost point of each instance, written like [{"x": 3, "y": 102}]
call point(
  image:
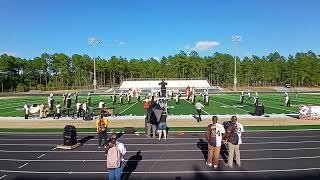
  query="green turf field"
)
[{"x": 220, "y": 104}]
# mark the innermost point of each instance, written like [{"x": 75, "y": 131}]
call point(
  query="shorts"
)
[{"x": 162, "y": 126}]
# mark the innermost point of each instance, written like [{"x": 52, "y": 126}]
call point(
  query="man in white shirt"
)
[
  {"x": 101, "y": 106},
  {"x": 233, "y": 136},
  {"x": 50, "y": 101},
  {"x": 78, "y": 105},
  {"x": 26, "y": 110},
  {"x": 214, "y": 136},
  {"x": 287, "y": 101},
  {"x": 199, "y": 107}
]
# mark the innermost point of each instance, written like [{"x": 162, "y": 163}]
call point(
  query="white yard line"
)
[
  {"x": 165, "y": 172},
  {"x": 228, "y": 105},
  {"x": 193, "y": 132},
  {"x": 266, "y": 137},
  {"x": 154, "y": 160},
  {"x": 23, "y": 165},
  {"x": 202, "y": 109},
  {"x": 159, "y": 151},
  {"x": 128, "y": 108},
  {"x": 265, "y": 106},
  {"x": 170, "y": 144}
]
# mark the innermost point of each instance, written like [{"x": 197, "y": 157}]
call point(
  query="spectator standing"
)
[
  {"x": 199, "y": 107},
  {"x": 153, "y": 121},
  {"x": 102, "y": 125},
  {"x": 214, "y": 136},
  {"x": 114, "y": 153},
  {"x": 233, "y": 136},
  {"x": 163, "y": 125}
]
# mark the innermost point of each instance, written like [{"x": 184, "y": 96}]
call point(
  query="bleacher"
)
[{"x": 147, "y": 86}]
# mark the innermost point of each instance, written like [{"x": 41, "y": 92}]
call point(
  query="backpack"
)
[
  {"x": 211, "y": 135},
  {"x": 113, "y": 158},
  {"x": 102, "y": 126},
  {"x": 232, "y": 133}
]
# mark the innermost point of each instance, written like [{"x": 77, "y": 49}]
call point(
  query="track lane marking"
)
[
  {"x": 41, "y": 156},
  {"x": 246, "y": 137},
  {"x": 128, "y": 108},
  {"x": 154, "y": 160},
  {"x": 23, "y": 165},
  {"x": 164, "y": 172},
  {"x": 3, "y": 176},
  {"x": 171, "y": 144},
  {"x": 156, "y": 151}
]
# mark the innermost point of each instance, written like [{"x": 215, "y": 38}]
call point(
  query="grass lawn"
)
[{"x": 220, "y": 104}]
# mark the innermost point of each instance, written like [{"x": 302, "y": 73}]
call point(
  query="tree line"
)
[{"x": 60, "y": 71}]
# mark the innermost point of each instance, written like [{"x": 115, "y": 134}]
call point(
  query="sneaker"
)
[
  {"x": 99, "y": 147},
  {"x": 209, "y": 164},
  {"x": 227, "y": 165},
  {"x": 215, "y": 166}
]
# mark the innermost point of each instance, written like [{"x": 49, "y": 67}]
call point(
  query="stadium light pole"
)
[
  {"x": 235, "y": 39},
  {"x": 94, "y": 42}
]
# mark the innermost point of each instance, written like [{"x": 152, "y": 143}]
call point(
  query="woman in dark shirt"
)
[{"x": 163, "y": 126}]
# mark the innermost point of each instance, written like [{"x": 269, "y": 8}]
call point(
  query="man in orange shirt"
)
[{"x": 102, "y": 125}]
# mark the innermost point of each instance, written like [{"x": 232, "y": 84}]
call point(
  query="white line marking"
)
[
  {"x": 53, "y": 148},
  {"x": 164, "y": 172},
  {"x": 23, "y": 165},
  {"x": 128, "y": 108},
  {"x": 153, "y": 160},
  {"x": 157, "y": 151},
  {"x": 41, "y": 156},
  {"x": 3, "y": 176},
  {"x": 201, "y": 109},
  {"x": 246, "y": 137},
  {"x": 59, "y": 133},
  {"x": 227, "y": 105},
  {"x": 171, "y": 144}
]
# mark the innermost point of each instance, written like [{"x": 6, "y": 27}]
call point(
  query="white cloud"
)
[
  {"x": 156, "y": 58},
  {"x": 205, "y": 45},
  {"x": 9, "y": 53},
  {"x": 119, "y": 43}
]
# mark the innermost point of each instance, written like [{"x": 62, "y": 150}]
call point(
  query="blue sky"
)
[{"x": 155, "y": 28}]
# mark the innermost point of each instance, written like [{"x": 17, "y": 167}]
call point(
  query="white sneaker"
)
[
  {"x": 209, "y": 164},
  {"x": 215, "y": 166}
]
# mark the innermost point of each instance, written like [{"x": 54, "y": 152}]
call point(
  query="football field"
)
[{"x": 219, "y": 104}]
